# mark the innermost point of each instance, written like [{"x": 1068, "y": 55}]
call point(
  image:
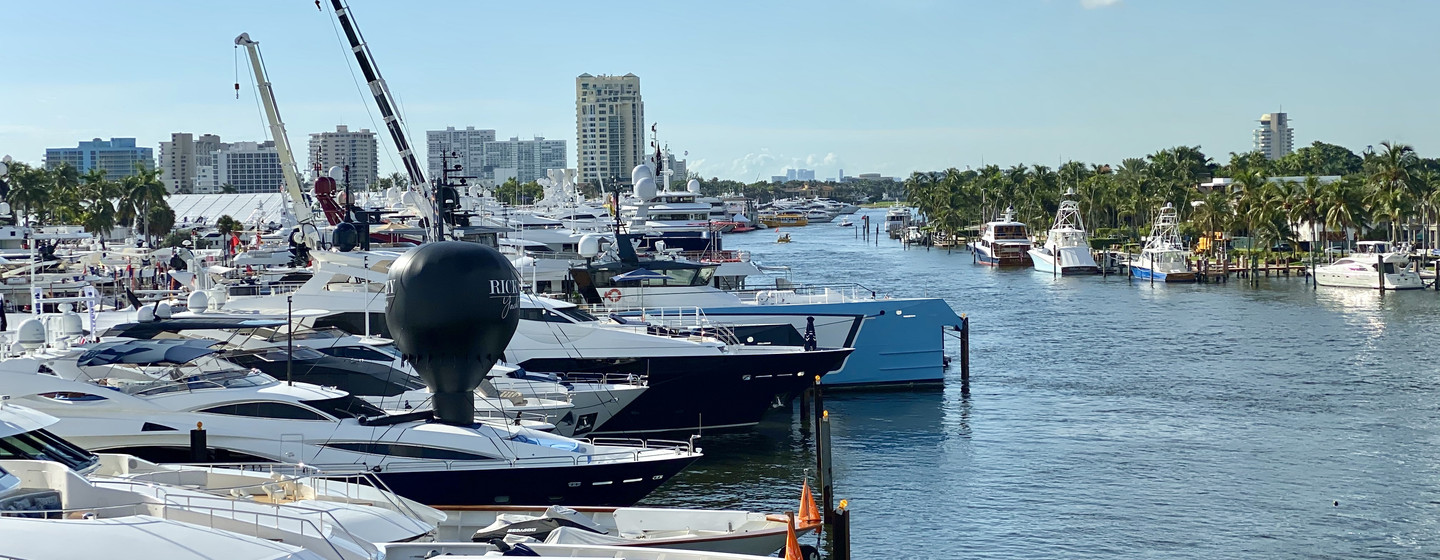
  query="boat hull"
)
[
  {"x": 690, "y": 394},
  {"x": 603, "y": 484},
  {"x": 1393, "y": 281},
  {"x": 1045, "y": 262},
  {"x": 985, "y": 257},
  {"x": 897, "y": 342},
  {"x": 1170, "y": 277}
]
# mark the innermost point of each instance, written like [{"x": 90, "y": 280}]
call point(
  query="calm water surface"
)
[{"x": 1108, "y": 419}]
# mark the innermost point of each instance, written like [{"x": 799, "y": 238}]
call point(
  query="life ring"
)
[{"x": 613, "y": 295}]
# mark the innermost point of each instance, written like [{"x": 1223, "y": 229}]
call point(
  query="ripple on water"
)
[{"x": 1112, "y": 419}]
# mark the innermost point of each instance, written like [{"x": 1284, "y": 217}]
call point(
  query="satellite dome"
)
[
  {"x": 162, "y": 310},
  {"x": 645, "y": 189},
  {"x": 32, "y": 334},
  {"x": 452, "y": 310},
  {"x": 641, "y": 171},
  {"x": 693, "y": 186},
  {"x": 198, "y": 301},
  {"x": 70, "y": 325}
]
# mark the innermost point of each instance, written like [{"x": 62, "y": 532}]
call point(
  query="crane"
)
[
  {"x": 386, "y": 104},
  {"x": 308, "y": 234}
]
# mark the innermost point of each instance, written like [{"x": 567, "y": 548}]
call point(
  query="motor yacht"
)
[
  {"x": 1066, "y": 251},
  {"x": 1374, "y": 265},
  {"x": 1003, "y": 242},
  {"x": 148, "y": 409}
]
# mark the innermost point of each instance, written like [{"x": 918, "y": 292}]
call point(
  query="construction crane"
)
[
  {"x": 306, "y": 232},
  {"x": 386, "y": 104}
]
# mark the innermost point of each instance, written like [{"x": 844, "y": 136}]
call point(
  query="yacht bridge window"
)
[
  {"x": 412, "y": 451},
  {"x": 266, "y": 410},
  {"x": 41, "y": 445}
]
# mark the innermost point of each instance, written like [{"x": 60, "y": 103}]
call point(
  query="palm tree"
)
[
  {"x": 138, "y": 194},
  {"x": 1392, "y": 182},
  {"x": 1343, "y": 205},
  {"x": 1304, "y": 205},
  {"x": 29, "y": 188},
  {"x": 96, "y": 203}
]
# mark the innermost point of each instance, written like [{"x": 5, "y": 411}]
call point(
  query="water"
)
[{"x": 1109, "y": 419}]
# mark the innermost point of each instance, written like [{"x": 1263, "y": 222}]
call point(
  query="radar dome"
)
[
  {"x": 198, "y": 301},
  {"x": 641, "y": 171},
  {"x": 70, "y": 325},
  {"x": 590, "y": 245},
  {"x": 32, "y": 334},
  {"x": 452, "y": 310},
  {"x": 645, "y": 189},
  {"x": 162, "y": 310},
  {"x": 693, "y": 186},
  {"x": 145, "y": 314}
]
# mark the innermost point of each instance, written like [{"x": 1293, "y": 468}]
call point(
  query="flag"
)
[{"x": 792, "y": 544}]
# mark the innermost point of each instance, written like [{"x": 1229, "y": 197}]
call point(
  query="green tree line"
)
[
  {"x": 1380, "y": 193},
  {"x": 61, "y": 195}
]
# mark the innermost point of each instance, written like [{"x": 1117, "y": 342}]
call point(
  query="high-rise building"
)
[
  {"x": 467, "y": 147},
  {"x": 799, "y": 174},
  {"x": 117, "y": 156},
  {"x": 182, "y": 157},
  {"x": 248, "y": 167},
  {"x": 609, "y": 127},
  {"x": 1274, "y": 138},
  {"x": 496, "y": 161},
  {"x": 343, "y": 147}
]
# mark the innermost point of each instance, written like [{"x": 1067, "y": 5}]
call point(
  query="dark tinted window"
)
[
  {"x": 348, "y": 406},
  {"x": 356, "y": 353},
  {"x": 266, "y": 410},
  {"x": 413, "y": 451},
  {"x": 41, "y": 445}
]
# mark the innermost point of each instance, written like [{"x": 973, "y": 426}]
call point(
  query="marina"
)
[{"x": 391, "y": 343}]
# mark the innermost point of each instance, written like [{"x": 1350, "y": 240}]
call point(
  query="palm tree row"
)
[
  {"x": 1382, "y": 193},
  {"x": 61, "y": 195}
]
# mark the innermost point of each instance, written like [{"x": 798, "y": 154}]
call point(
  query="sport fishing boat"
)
[
  {"x": 1003, "y": 242},
  {"x": 1373, "y": 265},
  {"x": 1164, "y": 257},
  {"x": 1065, "y": 251}
]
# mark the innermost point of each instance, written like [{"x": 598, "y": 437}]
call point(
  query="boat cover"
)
[{"x": 147, "y": 352}]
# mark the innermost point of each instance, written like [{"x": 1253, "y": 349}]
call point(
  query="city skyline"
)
[{"x": 899, "y": 88}]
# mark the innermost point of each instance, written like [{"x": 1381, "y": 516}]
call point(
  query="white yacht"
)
[
  {"x": 1003, "y": 242},
  {"x": 147, "y": 410},
  {"x": 1373, "y": 265},
  {"x": 897, "y": 218},
  {"x": 69, "y": 492},
  {"x": 1066, "y": 251},
  {"x": 1164, "y": 257}
]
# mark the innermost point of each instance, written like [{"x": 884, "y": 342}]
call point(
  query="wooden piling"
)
[
  {"x": 840, "y": 533},
  {"x": 964, "y": 355},
  {"x": 199, "y": 450}
]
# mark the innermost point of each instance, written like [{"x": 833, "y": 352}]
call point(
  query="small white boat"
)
[
  {"x": 1003, "y": 242},
  {"x": 1164, "y": 257},
  {"x": 1066, "y": 251},
  {"x": 736, "y": 532},
  {"x": 845, "y": 222},
  {"x": 1363, "y": 269}
]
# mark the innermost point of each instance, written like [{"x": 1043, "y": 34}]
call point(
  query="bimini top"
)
[
  {"x": 167, "y": 351},
  {"x": 151, "y": 329}
]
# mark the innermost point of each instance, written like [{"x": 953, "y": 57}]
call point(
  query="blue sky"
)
[{"x": 748, "y": 88}]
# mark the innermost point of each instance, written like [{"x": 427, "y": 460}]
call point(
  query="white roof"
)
[{"x": 192, "y": 207}]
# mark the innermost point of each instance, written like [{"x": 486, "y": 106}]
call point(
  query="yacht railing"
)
[
  {"x": 830, "y": 292},
  {"x": 345, "y": 479},
  {"x": 260, "y": 521},
  {"x": 674, "y": 322}
]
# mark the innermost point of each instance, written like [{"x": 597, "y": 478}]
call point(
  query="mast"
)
[
  {"x": 383, "y": 99},
  {"x": 282, "y": 143}
]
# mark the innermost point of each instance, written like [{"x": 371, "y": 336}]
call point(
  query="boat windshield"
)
[
  {"x": 1009, "y": 232},
  {"x": 575, "y": 314},
  {"x": 348, "y": 406},
  {"x": 1069, "y": 239},
  {"x": 230, "y": 379},
  {"x": 41, "y": 445}
]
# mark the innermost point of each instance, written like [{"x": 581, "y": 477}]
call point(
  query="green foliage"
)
[
  {"x": 227, "y": 225},
  {"x": 515, "y": 193}
]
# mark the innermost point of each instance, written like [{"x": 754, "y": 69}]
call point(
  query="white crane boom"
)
[{"x": 282, "y": 145}]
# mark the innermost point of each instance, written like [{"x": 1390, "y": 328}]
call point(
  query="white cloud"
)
[{"x": 1097, "y": 4}]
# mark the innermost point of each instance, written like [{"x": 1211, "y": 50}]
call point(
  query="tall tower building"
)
[
  {"x": 609, "y": 127},
  {"x": 183, "y": 157},
  {"x": 1274, "y": 138},
  {"x": 343, "y": 147}
]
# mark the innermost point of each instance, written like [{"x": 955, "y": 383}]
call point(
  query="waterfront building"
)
[
  {"x": 609, "y": 127},
  {"x": 249, "y": 167},
  {"x": 799, "y": 174},
  {"x": 182, "y": 158},
  {"x": 343, "y": 147},
  {"x": 117, "y": 156},
  {"x": 494, "y": 161},
  {"x": 1274, "y": 137}
]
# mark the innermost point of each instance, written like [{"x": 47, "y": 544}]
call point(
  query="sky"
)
[{"x": 743, "y": 89}]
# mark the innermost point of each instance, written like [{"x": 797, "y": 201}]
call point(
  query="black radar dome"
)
[{"x": 452, "y": 309}]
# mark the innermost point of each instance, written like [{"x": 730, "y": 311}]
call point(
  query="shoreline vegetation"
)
[{"x": 1323, "y": 190}]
